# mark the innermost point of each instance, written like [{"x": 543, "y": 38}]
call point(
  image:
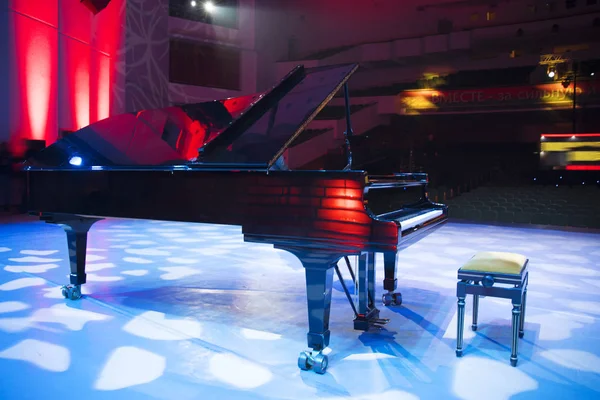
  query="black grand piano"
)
[{"x": 223, "y": 162}]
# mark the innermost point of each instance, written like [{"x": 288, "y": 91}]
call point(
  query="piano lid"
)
[
  {"x": 282, "y": 115},
  {"x": 248, "y": 131}
]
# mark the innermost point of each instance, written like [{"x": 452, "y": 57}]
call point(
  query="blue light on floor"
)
[{"x": 175, "y": 310}]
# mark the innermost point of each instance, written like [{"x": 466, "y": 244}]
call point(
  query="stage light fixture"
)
[
  {"x": 209, "y": 7},
  {"x": 193, "y": 3},
  {"x": 76, "y": 161}
]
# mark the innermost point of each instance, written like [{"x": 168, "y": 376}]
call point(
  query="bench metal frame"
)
[{"x": 507, "y": 286}]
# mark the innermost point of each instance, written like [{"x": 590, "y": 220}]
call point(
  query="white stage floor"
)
[{"x": 190, "y": 311}]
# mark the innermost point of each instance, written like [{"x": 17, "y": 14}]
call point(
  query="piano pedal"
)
[
  {"x": 370, "y": 320},
  {"x": 380, "y": 321},
  {"x": 377, "y": 326}
]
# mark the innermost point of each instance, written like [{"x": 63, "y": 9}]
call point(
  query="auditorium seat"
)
[{"x": 577, "y": 206}]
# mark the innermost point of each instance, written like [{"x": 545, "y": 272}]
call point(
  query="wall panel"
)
[
  {"x": 42, "y": 10},
  {"x": 33, "y": 85},
  {"x": 74, "y": 20},
  {"x": 74, "y": 84}
]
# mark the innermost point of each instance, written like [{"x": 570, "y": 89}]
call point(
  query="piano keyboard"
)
[{"x": 410, "y": 221}]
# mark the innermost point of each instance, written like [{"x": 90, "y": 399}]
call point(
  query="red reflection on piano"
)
[{"x": 342, "y": 204}]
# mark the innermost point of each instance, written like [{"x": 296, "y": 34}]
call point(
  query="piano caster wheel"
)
[
  {"x": 392, "y": 299},
  {"x": 303, "y": 363},
  {"x": 321, "y": 362},
  {"x": 71, "y": 292},
  {"x": 318, "y": 362}
]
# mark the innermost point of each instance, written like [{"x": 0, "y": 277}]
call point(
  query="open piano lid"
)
[{"x": 243, "y": 132}]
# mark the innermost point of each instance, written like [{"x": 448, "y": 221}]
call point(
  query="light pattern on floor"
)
[{"x": 190, "y": 311}]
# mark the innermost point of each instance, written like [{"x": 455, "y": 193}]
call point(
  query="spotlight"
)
[
  {"x": 551, "y": 74},
  {"x": 573, "y": 137},
  {"x": 76, "y": 161},
  {"x": 592, "y": 74},
  {"x": 543, "y": 137},
  {"x": 193, "y": 3},
  {"x": 209, "y": 7}
]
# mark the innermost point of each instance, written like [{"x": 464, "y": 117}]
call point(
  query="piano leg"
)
[
  {"x": 319, "y": 281},
  {"x": 76, "y": 229},
  {"x": 368, "y": 314},
  {"x": 390, "y": 298}
]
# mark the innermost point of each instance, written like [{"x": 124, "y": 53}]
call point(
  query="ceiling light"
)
[{"x": 209, "y": 7}]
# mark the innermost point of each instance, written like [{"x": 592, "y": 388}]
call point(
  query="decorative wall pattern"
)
[{"x": 146, "y": 54}]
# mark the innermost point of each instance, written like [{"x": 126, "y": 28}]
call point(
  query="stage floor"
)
[{"x": 190, "y": 311}]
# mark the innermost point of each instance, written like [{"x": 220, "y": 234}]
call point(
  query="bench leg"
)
[
  {"x": 522, "y": 322},
  {"x": 460, "y": 326},
  {"x": 516, "y": 314},
  {"x": 475, "y": 311}
]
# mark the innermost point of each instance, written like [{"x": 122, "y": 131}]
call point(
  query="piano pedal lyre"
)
[
  {"x": 369, "y": 320},
  {"x": 362, "y": 322}
]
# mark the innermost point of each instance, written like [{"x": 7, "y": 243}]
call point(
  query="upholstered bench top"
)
[{"x": 495, "y": 262}]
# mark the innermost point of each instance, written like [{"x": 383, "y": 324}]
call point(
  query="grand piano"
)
[{"x": 224, "y": 162}]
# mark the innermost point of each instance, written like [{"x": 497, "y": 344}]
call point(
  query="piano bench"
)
[{"x": 493, "y": 274}]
